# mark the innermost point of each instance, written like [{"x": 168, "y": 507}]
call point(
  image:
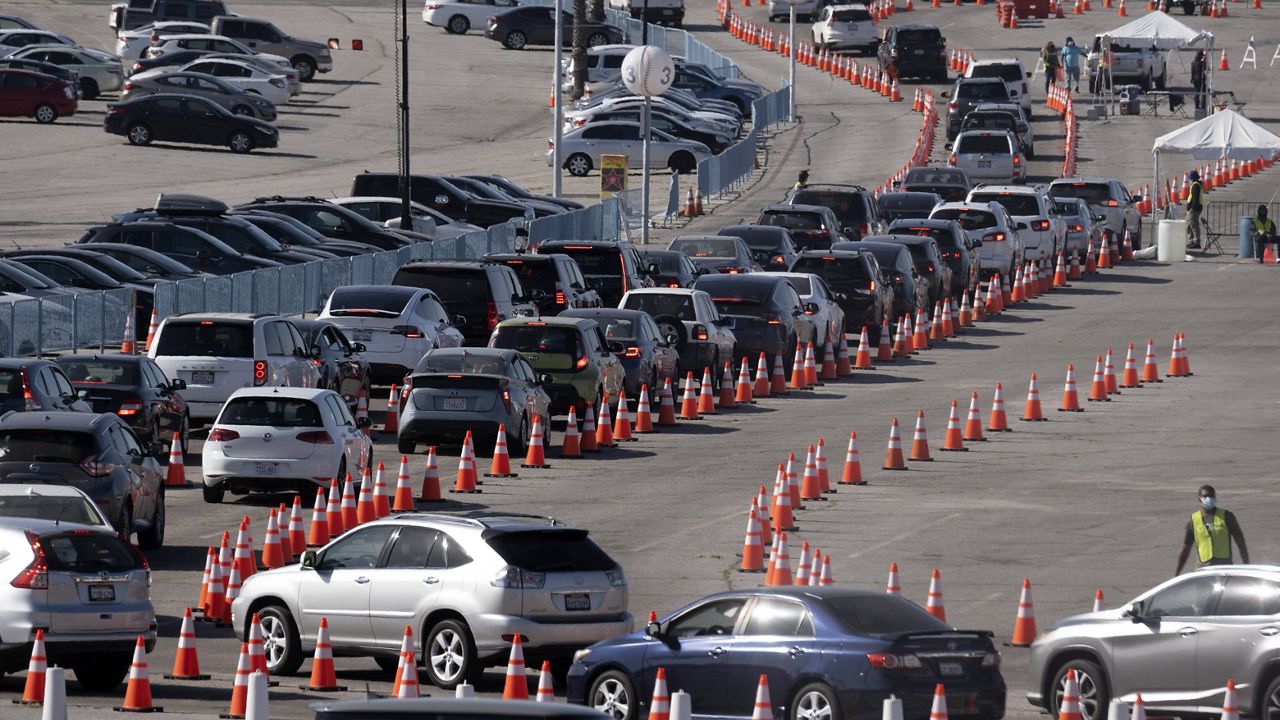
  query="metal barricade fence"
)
[
  {"x": 722, "y": 172},
  {"x": 770, "y": 110}
]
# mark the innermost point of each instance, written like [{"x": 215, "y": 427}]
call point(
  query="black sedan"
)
[
  {"x": 951, "y": 184},
  {"x": 857, "y": 279},
  {"x": 898, "y": 270},
  {"x": 959, "y": 252},
  {"x": 533, "y": 25},
  {"x": 768, "y": 314},
  {"x": 136, "y": 389},
  {"x": 669, "y": 268},
  {"x": 907, "y": 205},
  {"x": 187, "y": 119},
  {"x": 77, "y": 274},
  {"x": 647, "y": 357},
  {"x": 717, "y": 254},
  {"x": 342, "y": 370},
  {"x": 771, "y": 246},
  {"x": 927, "y": 258}
]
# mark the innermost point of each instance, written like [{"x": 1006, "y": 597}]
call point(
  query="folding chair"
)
[
  {"x": 1211, "y": 238},
  {"x": 1176, "y": 104}
]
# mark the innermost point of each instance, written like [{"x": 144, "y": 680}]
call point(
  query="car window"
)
[
  {"x": 295, "y": 340},
  {"x": 359, "y": 550},
  {"x": 207, "y": 339},
  {"x": 131, "y": 445},
  {"x": 1249, "y": 596},
  {"x": 775, "y": 616},
  {"x": 1015, "y": 203},
  {"x": 431, "y": 309},
  {"x": 272, "y": 339},
  {"x": 1189, "y": 598},
  {"x": 523, "y": 370},
  {"x": 158, "y": 378},
  {"x": 716, "y": 617},
  {"x": 412, "y": 547},
  {"x": 989, "y": 144},
  {"x": 270, "y": 412},
  {"x": 86, "y": 552},
  {"x": 62, "y": 386}
]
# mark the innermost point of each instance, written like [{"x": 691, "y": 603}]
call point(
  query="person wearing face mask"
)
[{"x": 1211, "y": 530}]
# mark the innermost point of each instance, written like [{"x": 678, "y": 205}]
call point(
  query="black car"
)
[
  {"x": 528, "y": 25},
  {"x": 520, "y": 193},
  {"x": 292, "y": 233},
  {"x": 194, "y": 248},
  {"x": 342, "y": 370},
  {"x": 477, "y": 295},
  {"x": 611, "y": 268},
  {"x": 438, "y": 193},
  {"x": 34, "y": 384},
  {"x": 187, "y": 119},
  {"x": 927, "y": 257},
  {"x": 958, "y": 251},
  {"x": 918, "y": 51},
  {"x": 75, "y": 273},
  {"x": 18, "y": 278},
  {"x": 768, "y": 315},
  {"x": 136, "y": 389},
  {"x": 668, "y": 268},
  {"x": 952, "y": 184},
  {"x": 857, "y": 281},
  {"x": 907, "y": 205},
  {"x": 897, "y": 271},
  {"x": 484, "y": 190},
  {"x": 553, "y": 281},
  {"x": 854, "y": 206},
  {"x": 211, "y": 216},
  {"x": 772, "y": 247},
  {"x": 335, "y": 221},
  {"x": 146, "y": 261},
  {"x": 117, "y": 270},
  {"x": 967, "y": 95},
  {"x": 175, "y": 58},
  {"x": 812, "y": 227},
  {"x": 647, "y": 357},
  {"x": 717, "y": 254}
]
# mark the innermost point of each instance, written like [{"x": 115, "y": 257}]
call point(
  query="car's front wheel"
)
[
  {"x": 305, "y": 66},
  {"x": 1271, "y": 700},
  {"x": 450, "y": 654},
  {"x": 280, "y": 640},
  {"x": 596, "y": 39},
  {"x": 815, "y": 701},
  {"x": 458, "y": 24},
  {"x": 515, "y": 40},
  {"x": 240, "y": 142},
  {"x": 243, "y": 110},
  {"x": 1095, "y": 697},
  {"x": 153, "y": 536},
  {"x": 613, "y": 694},
  {"x": 139, "y": 134}
]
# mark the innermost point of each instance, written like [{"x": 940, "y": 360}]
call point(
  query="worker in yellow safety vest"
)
[{"x": 1210, "y": 531}]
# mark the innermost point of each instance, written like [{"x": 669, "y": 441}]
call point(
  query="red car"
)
[{"x": 30, "y": 94}]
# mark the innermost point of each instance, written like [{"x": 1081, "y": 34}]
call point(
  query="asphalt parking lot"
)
[{"x": 1078, "y": 503}]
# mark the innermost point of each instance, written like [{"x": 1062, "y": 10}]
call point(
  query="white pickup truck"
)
[
  {"x": 1130, "y": 64},
  {"x": 662, "y": 12}
]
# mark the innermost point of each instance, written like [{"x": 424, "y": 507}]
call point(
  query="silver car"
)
[
  {"x": 50, "y": 502},
  {"x": 464, "y": 584},
  {"x": 1177, "y": 644},
  {"x": 221, "y": 92},
  {"x": 1083, "y": 225},
  {"x": 991, "y": 155},
  {"x": 1109, "y": 197}
]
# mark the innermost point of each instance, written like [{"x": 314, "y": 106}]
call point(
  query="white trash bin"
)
[{"x": 1171, "y": 241}]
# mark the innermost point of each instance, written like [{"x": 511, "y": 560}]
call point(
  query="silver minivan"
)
[{"x": 991, "y": 155}]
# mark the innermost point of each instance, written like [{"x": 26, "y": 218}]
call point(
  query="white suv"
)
[
  {"x": 1045, "y": 232},
  {"x": 465, "y": 585},
  {"x": 1011, "y": 71},
  {"x": 845, "y": 27},
  {"x": 218, "y": 353},
  {"x": 990, "y": 225}
]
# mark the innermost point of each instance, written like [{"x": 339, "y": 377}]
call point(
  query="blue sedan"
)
[{"x": 829, "y": 653}]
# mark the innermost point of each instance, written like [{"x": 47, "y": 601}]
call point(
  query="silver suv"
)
[
  {"x": 88, "y": 589},
  {"x": 465, "y": 584},
  {"x": 1177, "y": 644}
]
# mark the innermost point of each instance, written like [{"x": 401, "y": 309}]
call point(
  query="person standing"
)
[
  {"x": 1199, "y": 77},
  {"x": 1071, "y": 54},
  {"x": 1194, "y": 206},
  {"x": 1052, "y": 63},
  {"x": 1264, "y": 232},
  {"x": 1211, "y": 530}
]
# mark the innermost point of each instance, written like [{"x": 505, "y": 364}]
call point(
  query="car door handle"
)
[
  {"x": 431, "y": 580},
  {"x": 717, "y": 652},
  {"x": 795, "y": 651},
  {"x": 362, "y": 579},
  {"x": 1269, "y": 631},
  {"x": 1187, "y": 631}
]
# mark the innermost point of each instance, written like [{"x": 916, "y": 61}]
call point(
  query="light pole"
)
[
  {"x": 406, "y": 182},
  {"x": 646, "y": 71},
  {"x": 557, "y": 119},
  {"x": 791, "y": 53}
]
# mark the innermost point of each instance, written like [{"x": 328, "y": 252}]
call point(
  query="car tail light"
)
[
  {"x": 993, "y": 237},
  {"x": 1040, "y": 225},
  {"x": 259, "y": 373},
  {"x": 114, "y": 109},
  {"x": 560, "y": 298},
  {"x": 317, "y": 362},
  {"x": 35, "y": 576},
  {"x": 895, "y": 661},
  {"x": 223, "y": 435},
  {"x": 514, "y": 577},
  {"x": 581, "y": 363},
  {"x": 28, "y": 397},
  {"x": 315, "y": 437},
  {"x": 506, "y": 399},
  {"x": 864, "y": 228},
  {"x": 408, "y": 331},
  {"x": 95, "y": 466},
  {"x": 871, "y": 286},
  {"x": 632, "y": 353},
  {"x": 277, "y": 82},
  {"x": 491, "y": 315},
  {"x": 991, "y": 659},
  {"x": 132, "y": 406},
  {"x": 617, "y": 578},
  {"x": 622, "y": 265},
  {"x": 1017, "y": 159},
  {"x": 952, "y": 160},
  {"x": 778, "y": 260},
  {"x": 700, "y": 332},
  {"x": 1077, "y": 228},
  {"x": 128, "y": 85},
  {"x": 137, "y": 67},
  {"x": 774, "y": 319},
  {"x": 1111, "y": 203},
  {"x": 931, "y": 267},
  {"x": 155, "y": 37},
  {"x": 952, "y": 105},
  {"x": 579, "y": 122}
]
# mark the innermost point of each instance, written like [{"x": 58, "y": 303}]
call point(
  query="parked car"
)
[
  {"x": 768, "y": 315},
  {"x": 908, "y": 290},
  {"x": 146, "y": 261},
  {"x": 75, "y": 274},
  {"x": 846, "y": 27},
  {"x": 97, "y": 70},
  {"x": 221, "y": 92},
  {"x": 459, "y": 16},
  {"x": 18, "y": 278},
  {"x": 707, "y": 86},
  {"x": 772, "y": 247},
  {"x": 97, "y": 453},
  {"x": 554, "y": 281},
  {"x": 826, "y": 314},
  {"x": 704, "y": 337},
  {"x": 907, "y": 205},
  {"x": 1011, "y": 71},
  {"x": 716, "y": 138},
  {"x": 520, "y": 193},
  {"x": 136, "y": 13},
  {"x": 581, "y": 148},
  {"x": 44, "y": 68},
  {"x": 333, "y": 221},
  {"x": 33, "y": 384},
  {"x": 842, "y": 640},
  {"x": 24, "y": 93},
  {"x": 699, "y": 114},
  {"x": 102, "y": 262},
  {"x": 131, "y": 43},
  {"x": 526, "y": 25},
  {"x": 397, "y": 325},
  {"x": 187, "y": 119},
  {"x": 1084, "y": 226},
  {"x": 469, "y": 709},
  {"x": 88, "y": 590},
  {"x": 16, "y": 22},
  {"x": 967, "y": 94},
  {"x": 583, "y": 364},
  {"x": 437, "y": 193},
  {"x": 658, "y": 12},
  {"x": 1141, "y": 62},
  {"x": 193, "y": 249},
  {"x": 268, "y": 439},
  {"x": 989, "y": 155},
  {"x": 991, "y": 226},
  {"x": 451, "y": 392},
  {"x": 476, "y": 296},
  {"x": 717, "y": 254},
  {"x": 1107, "y": 196},
  {"x": 647, "y": 357},
  {"x": 854, "y": 207},
  {"x": 342, "y": 368},
  {"x": 135, "y": 388},
  {"x": 540, "y": 208},
  {"x": 927, "y": 258},
  {"x": 292, "y": 234},
  {"x": 781, "y": 10},
  {"x": 915, "y": 51},
  {"x": 1003, "y": 117},
  {"x": 243, "y": 74},
  {"x": 12, "y": 40},
  {"x": 668, "y": 268},
  {"x": 60, "y": 503},
  {"x": 1042, "y": 230},
  {"x": 217, "y": 353},
  {"x": 612, "y": 269},
  {"x": 958, "y": 250},
  {"x": 812, "y": 227},
  {"x": 855, "y": 279},
  {"x": 386, "y": 212},
  {"x": 187, "y": 49},
  {"x": 950, "y": 183},
  {"x": 308, "y": 57}
]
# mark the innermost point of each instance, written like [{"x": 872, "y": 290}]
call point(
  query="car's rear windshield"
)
[
  {"x": 44, "y": 445},
  {"x": 792, "y": 220},
  {"x": 271, "y": 412},
  {"x": 364, "y": 301},
  {"x": 667, "y": 263},
  {"x": 1066, "y": 208},
  {"x": 920, "y": 36},
  {"x": 942, "y": 235},
  {"x": 535, "y": 275},
  {"x": 658, "y": 304},
  {"x": 618, "y": 328},
  {"x": 983, "y": 144},
  {"x": 551, "y": 551},
  {"x": 462, "y": 364},
  {"x": 88, "y": 552},
  {"x": 450, "y": 284},
  {"x": 935, "y": 176},
  {"x": 834, "y": 270},
  {"x": 969, "y": 219},
  {"x": 593, "y": 260},
  {"x": 851, "y": 15},
  {"x": 705, "y": 247},
  {"x": 539, "y": 339},
  {"x": 206, "y": 338},
  {"x": 982, "y": 91},
  {"x": 1008, "y": 72},
  {"x": 1092, "y": 193},
  {"x": 882, "y": 615},
  {"x": 100, "y": 372},
  {"x": 989, "y": 121},
  {"x": 903, "y": 204},
  {"x": 848, "y": 206},
  {"x": 1015, "y": 204},
  {"x": 66, "y": 508},
  {"x": 10, "y": 385}
]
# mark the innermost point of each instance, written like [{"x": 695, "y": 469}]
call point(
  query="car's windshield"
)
[
  {"x": 838, "y": 272},
  {"x": 792, "y": 220},
  {"x": 535, "y": 275},
  {"x": 206, "y": 338},
  {"x": 800, "y": 284},
  {"x": 451, "y": 284},
  {"x": 935, "y": 176},
  {"x": 594, "y": 261},
  {"x": 1009, "y": 72},
  {"x": 982, "y": 91},
  {"x": 86, "y": 552},
  {"x": 919, "y": 36},
  {"x": 847, "y": 205}
]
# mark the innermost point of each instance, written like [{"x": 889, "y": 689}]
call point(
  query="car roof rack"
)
[{"x": 184, "y": 204}]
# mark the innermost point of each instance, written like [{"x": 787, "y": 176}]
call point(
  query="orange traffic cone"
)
[
  {"x": 706, "y": 401},
  {"x": 622, "y": 420},
  {"x": 364, "y": 505},
  {"x": 151, "y": 329},
  {"x": 1060, "y": 273},
  {"x": 954, "y": 440},
  {"x": 742, "y": 393},
  {"x": 920, "y": 441},
  {"x": 863, "y": 359},
  {"x": 465, "y": 481},
  {"x": 752, "y": 546},
  {"x": 1075, "y": 272},
  {"x": 391, "y": 419},
  {"x": 689, "y": 402},
  {"x": 820, "y": 460},
  {"x": 666, "y": 404},
  {"x": 257, "y": 648},
  {"x": 1179, "y": 365},
  {"x": 761, "y": 504},
  {"x": 844, "y": 368},
  {"x": 536, "y": 456},
  {"x": 1150, "y": 371},
  {"x": 500, "y": 467},
  {"x": 1069, "y": 709},
  {"x": 382, "y": 496},
  {"x": 176, "y": 473},
  {"x": 129, "y": 343},
  {"x": 408, "y": 676},
  {"x": 137, "y": 694},
  {"x": 727, "y": 397},
  {"x": 660, "y": 704},
  {"x": 810, "y": 489},
  {"x": 1230, "y": 703},
  {"x": 209, "y": 560},
  {"x": 1024, "y": 626},
  {"x": 546, "y": 685},
  {"x": 852, "y": 473},
  {"x": 333, "y": 510},
  {"x": 828, "y": 370},
  {"x": 350, "y": 517},
  {"x": 403, "y": 500},
  {"x": 783, "y": 519},
  {"x": 1109, "y": 374},
  {"x": 893, "y": 587},
  {"x": 244, "y": 557},
  {"x": 233, "y": 592},
  {"x": 761, "y": 387},
  {"x": 884, "y": 350},
  {"x": 797, "y": 369},
  {"x": 186, "y": 664},
  {"x": 571, "y": 446},
  {"x": 1130, "y": 377},
  {"x": 1032, "y": 411},
  {"x": 430, "y": 491},
  {"x": 1070, "y": 398},
  {"x": 33, "y": 689},
  {"x": 1098, "y": 388},
  {"x": 938, "y": 711},
  {"x": 215, "y": 599},
  {"x": 966, "y": 313},
  {"x": 778, "y": 379},
  {"x": 272, "y": 552},
  {"x": 1223, "y": 65},
  {"x": 998, "y": 421},
  {"x": 1098, "y": 605},
  {"x": 323, "y": 676},
  {"x": 973, "y": 421},
  {"x": 292, "y": 537},
  {"x": 779, "y": 565},
  {"x": 893, "y": 455},
  {"x": 588, "y": 440},
  {"x": 604, "y": 430},
  {"x": 516, "y": 686},
  {"x": 804, "y": 565},
  {"x": 810, "y": 367},
  {"x": 934, "y": 605},
  {"x": 644, "y": 413},
  {"x": 763, "y": 709}
]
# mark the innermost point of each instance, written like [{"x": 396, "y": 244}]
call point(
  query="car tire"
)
[
  {"x": 45, "y": 113},
  {"x": 152, "y": 538},
  {"x": 450, "y": 654},
  {"x": 815, "y": 700},
  {"x": 184, "y": 433},
  {"x": 682, "y": 163},
  {"x": 458, "y": 25},
  {"x": 1188, "y": 8},
  {"x": 515, "y": 40},
  {"x": 240, "y": 142},
  {"x": 1269, "y": 702},
  {"x": 406, "y": 446},
  {"x": 1095, "y": 696},
  {"x": 614, "y": 694},
  {"x": 243, "y": 110},
  {"x": 518, "y": 444},
  {"x": 280, "y": 640},
  {"x": 103, "y": 674},
  {"x": 596, "y": 39},
  {"x": 139, "y": 134},
  {"x": 305, "y": 66},
  {"x": 88, "y": 89},
  {"x": 578, "y": 165},
  {"x": 213, "y": 494}
]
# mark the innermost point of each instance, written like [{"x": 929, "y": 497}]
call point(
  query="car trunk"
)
[
  {"x": 372, "y": 331},
  {"x": 106, "y": 398},
  {"x": 565, "y": 575},
  {"x": 270, "y": 428},
  {"x": 212, "y": 356},
  {"x": 956, "y": 656},
  {"x": 96, "y": 583},
  {"x": 253, "y": 445},
  {"x": 455, "y": 393},
  {"x": 554, "y": 349}
]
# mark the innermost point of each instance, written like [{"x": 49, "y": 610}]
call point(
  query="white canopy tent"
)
[
  {"x": 1163, "y": 32},
  {"x": 1224, "y": 135}
]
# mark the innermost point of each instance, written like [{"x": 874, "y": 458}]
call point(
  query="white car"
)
[
  {"x": 98, "y": 70},
  {"x": 131, "y": 43},
  {"x": 828, "y": 321},
  {"x": 989, "y": 225},
  {"x": 704, "y": 337},
  {"x": 397, "y": 325},
  {"x": 246, "y": 76},
  {"x": 604, "y": 62},
  {"x": 1045, "y": 232},
  {"x": 1011, "y": 71},
  {"x": 226, "y": 48},
  {"x": 11, "y": 40},
  {"x": 459, "y": 16},
  {"x": 989, "y": 155},
  {"x": 721, "y": 126},
  {"x": 1084, "y": 225},
  {"x": 281, "y": 438},
  {"x": 846, "y": 27},
  {"x": 219, "y": 353},
  {"x": 62, "y": 503},
  {"x": 582, "y": 147},
  {"x": 1109, "y": 197}
]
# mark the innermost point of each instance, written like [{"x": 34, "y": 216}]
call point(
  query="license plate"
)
[
  {"x": 577, "y": 601},
  {"x": 267, "y": 469},
  {"x": 202, "y": 377},
  {"x": 951, "y": 669},
  {"x": 984, "y": 163},
  {"x": 361, "y": 336},
  {"x": 917, "y": 52},
  {"x": 102, "y": 593},
  {"x": 455, "y": 403}
]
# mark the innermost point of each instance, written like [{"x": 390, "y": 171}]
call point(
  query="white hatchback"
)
[
  {"x": 846, "y": 27},
  {"x": 246, "y": 76},
  {"x": 272, "y": 439},
  {"x": 396, "y": 324},
  {"x": 1042, "y": 230}
]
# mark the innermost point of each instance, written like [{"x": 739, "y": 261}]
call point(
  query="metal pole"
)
[
  {"x": 557, "y": 131},
  {"x": 406, "y": 190},
  {"x": 644, "y": 23},
  {"x": 644, "y": 172},
  {"x": 791, "y": 52}
]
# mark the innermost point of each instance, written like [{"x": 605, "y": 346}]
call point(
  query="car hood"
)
[
  {"x": 317, "y": 47},
  {"x": 1089, "y": 619}
]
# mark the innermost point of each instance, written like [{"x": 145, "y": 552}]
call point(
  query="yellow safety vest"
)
[{"x": 1215, "y": 544}]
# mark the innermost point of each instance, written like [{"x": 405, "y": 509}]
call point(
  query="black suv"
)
[
  {"x": 438, "y": 193},
  {"x": 480, "y": 295},
  {"x": 194, "y": 248},
  {"x": 211, "y": 216},
  {"x": 916, "y": 51},
  {"x": 611, "y": 268},
  {"x": 335, "y": 221},
  {"x": 855, "y": 207},
  {"x": 554, "y": 281},
  {"x": 967, "y": 95},
  {"x": 857, "y": 282}
]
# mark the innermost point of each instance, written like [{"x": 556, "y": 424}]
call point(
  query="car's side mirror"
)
[
  {"x": 363, "y": 422},
  {"x": 653, "y": 629},
  {"x": 178, "y": 384},
  {"x": 1134, "y": 612},
  {"x": 1137, "y": 198},
  {"x": 315, "y": 351},
  {"x": 1099, "y": 218},
  {"x": 358, "y": 347},
  {"x": 846, "y": 231},
  {"x": 977, "y": 243},
  {"x": 545, "y": 379},
  {"x": 1028, "y": 75},
  {"x": 80, "y": 394},
  {"x": 948, "y": 146},
  {"x": 309, "y": 559},
  {"x": 841, "y": 297},
  {"x": 617, "y": 347}
]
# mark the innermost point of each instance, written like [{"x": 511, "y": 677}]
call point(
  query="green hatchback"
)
[{"x": 582, "y": 363}]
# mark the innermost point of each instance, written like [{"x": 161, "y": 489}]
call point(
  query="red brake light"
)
[
  {"x": 492, "y": 315},
  {"x": 315, "y": 437},
  {"x": 891, "y": 661},
  {"x": 128, "y": 85},
  {"x": 408, "y": 331},
  {"x": 259, "y": 372},
  {"x": 506, "y": 399},
  {"x": 872, "y": 286},
  {"x": 560, "y": 299},
  {"x": 1040, "y": 225},
  {"x": 28, "y": 397},
  {"x": 632, "y": 353},
  {"x": 622, "y": 265},
  {"x": 993, "y": 237},
  {"x": 952, "y": 160},
  {"x": 1077, "y": 228},
  {"x": 132, "y": 406},
  {"x": 35, "y": 576},
  {"x": 778, "y": 260},
  {"x": 1112, "y": 203},
  {"x": 700, "y": 332},
  {"x": 582, "y": 362},
  {"x": 95, "y": 467},
  {"x": 223, "y": 435}
]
